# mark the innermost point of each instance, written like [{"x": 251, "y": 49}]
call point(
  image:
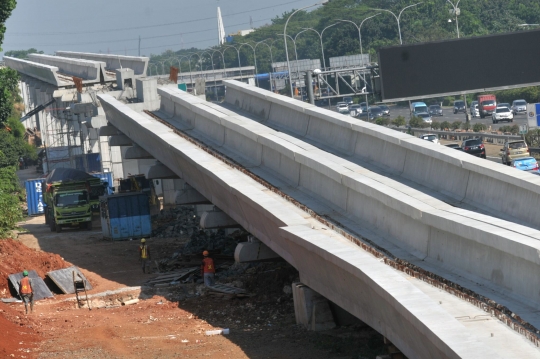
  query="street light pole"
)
[
  {"x": 285, "y": 40},
  {"x": 456, "y": 14},
  {"x": 255, "y": 61},
  {"x": 359, "y": 27},
  {"x": 271, "y": 58},
  {"x": 398, "y": 17}
]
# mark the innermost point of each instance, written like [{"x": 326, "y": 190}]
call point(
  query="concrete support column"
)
[
  {"x": 170, "y": 188},
  {"x": 253, "y": 250},
  {"x": 311, "y": 309}
]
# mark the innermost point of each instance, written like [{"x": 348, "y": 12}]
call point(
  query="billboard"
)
[
  {"x": 459, "y": 66},
  {"x": 341, "y": 62}
]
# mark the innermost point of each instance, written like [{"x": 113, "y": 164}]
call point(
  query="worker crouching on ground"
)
[
  {"x": 144, "y": 255},
  {"x": 26, "y": 292},
  {"x": 208, "y": 270}
]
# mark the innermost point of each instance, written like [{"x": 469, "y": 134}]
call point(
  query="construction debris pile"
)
[
  {"x": 183, "y": 222},
  {"x": 180, "y": 221}
]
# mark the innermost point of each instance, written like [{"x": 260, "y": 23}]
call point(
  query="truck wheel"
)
[
  {"x": 89, "y": 226},
  {"x": 52, "y": 225},
  {"x": 482, "y": 115},
  {"x": 58, "y": 228},
  {"x": 47, "y": 218}
]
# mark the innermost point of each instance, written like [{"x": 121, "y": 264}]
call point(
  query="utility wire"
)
[{"x": 147, "y": 26}]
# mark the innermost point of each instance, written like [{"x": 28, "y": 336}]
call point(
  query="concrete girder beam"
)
[
  {"x": 137, "y": 153},
  {"x": 119, "y": 140},
  {"x": 109, "y": 130},
  {"x": 217, "y": 219},
  {"x": 160, "y": 171},
  {"x": 190, "y": 195},
  {"x": 253, "y": 250}
]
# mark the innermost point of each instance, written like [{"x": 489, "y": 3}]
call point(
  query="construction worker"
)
[
  {"x": 26, "y": 292},
  {"x": 144, "y": 255},
  {"x": 208, "y": 270}
]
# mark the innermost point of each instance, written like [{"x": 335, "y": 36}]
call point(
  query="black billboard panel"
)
[{"x": 477, "y": 64}]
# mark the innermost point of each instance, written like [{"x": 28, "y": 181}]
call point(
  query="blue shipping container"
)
[
  {"x": 125, "y": 216},
  {"x": 34, "y": 196},
  {"x": 105, "y": 177}
]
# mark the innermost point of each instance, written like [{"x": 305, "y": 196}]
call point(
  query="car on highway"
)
[
  {"x": 473, "y": 107},
  {"x": 342, "y": 107},
  {"x": 419, "y": 107},
  {"x": 365, "y": 116},
  {"x": 431, "y": 138},
  {"x": 475, "y": 112},
  {"x": 376, "y": 111},
  {"x": 355, "y": 110},
  {"x": 459, "y": 106},
  {"x": 348, "y": 100},
  {"x": 474, "y": 147},
  {"x": 455, "y": 146},
  {"x": 385, "y": 109},
  {"x": 502, "y": 114},
  {"x": 519, "y": 106},
  {"x": 525, "y": 164},
  {"x": 435, "y": 110},
  {"x": 504, "y": 104},
  {"x": 426, "y": 117},
  {"x": 512, "y": 150}
]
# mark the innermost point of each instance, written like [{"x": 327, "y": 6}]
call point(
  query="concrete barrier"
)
[
  {"x": 499, "y": 254},
  {"x": 491, "y": 188},
  {"x": 369, "y": 289}
]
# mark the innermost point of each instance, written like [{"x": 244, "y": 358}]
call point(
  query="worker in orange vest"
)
[
  {"x": 208, "y": 270},
  {"x": 144, "y": 255},
  {"x": 26, "y": 292}
]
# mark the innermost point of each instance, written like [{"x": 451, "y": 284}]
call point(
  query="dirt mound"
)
[
  {"x": 16, "y": 257},
  {"x": 19, "y": 334}
]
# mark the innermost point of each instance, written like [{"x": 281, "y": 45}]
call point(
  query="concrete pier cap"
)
[
  {"x": 119, "y": 140},
  {"x": 189, "y": 195},
  {"x": 253, "y": 250},
  {"x": 109, "y": 130},
  {"x": 160, "y": 171},
  {"x": 217, "y": 219},
  {"x": 137, "y": 153}
]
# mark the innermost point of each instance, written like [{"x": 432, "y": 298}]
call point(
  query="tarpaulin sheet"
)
[
  {"x": 41, "y": 290},
  {"x": 63, "y": 278}
]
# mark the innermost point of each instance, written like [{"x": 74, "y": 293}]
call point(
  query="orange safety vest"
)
[
  {"x": 208, "y": 265},
  {"x": 144, "y": 251},
  {"x": 25, "y": 286}
]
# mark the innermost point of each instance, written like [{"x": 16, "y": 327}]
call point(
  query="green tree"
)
[
  {"x": 382, "y": 121},
  {"x": 6, "y": 7},
  {"x": 435, "y": 125},
  {"x": 479, "y": 127},
  {"x": 399, "y": 121},
  {"x": 445, "y": 125},
  {"x": 8, "y": 92},
  {"x": 465, "y": 126},
  {"x": 22, "y": 54},
  {"x": 455, "y": 125}
]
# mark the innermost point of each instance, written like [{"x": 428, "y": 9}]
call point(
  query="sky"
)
[{"x": 114, "y": 26}]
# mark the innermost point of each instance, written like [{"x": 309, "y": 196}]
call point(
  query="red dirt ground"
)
[{"x": 16, "y": 257}]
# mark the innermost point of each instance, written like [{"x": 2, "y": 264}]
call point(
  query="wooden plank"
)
[
  {"x": 63, "y": 278},
  {"x": 41, "y": 290}
]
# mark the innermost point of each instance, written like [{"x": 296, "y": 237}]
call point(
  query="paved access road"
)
[{"x": 449, "y": 116}]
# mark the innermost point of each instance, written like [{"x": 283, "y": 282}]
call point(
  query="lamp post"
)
[
  {"x": 398, "y": 17},
  {"x": 238, "y": 53},
  {"x": 190, "y": 73},
  {"x": 322, "y": 50},
  {"x": 456, "y": 13},
  {"x": 359, "y": 27},
  {"x": 255, "y": 59},
  {"x": 285, "y": 40},
  {"x": 295, "y": 51},
  {"x": 271, "y": 58}
]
